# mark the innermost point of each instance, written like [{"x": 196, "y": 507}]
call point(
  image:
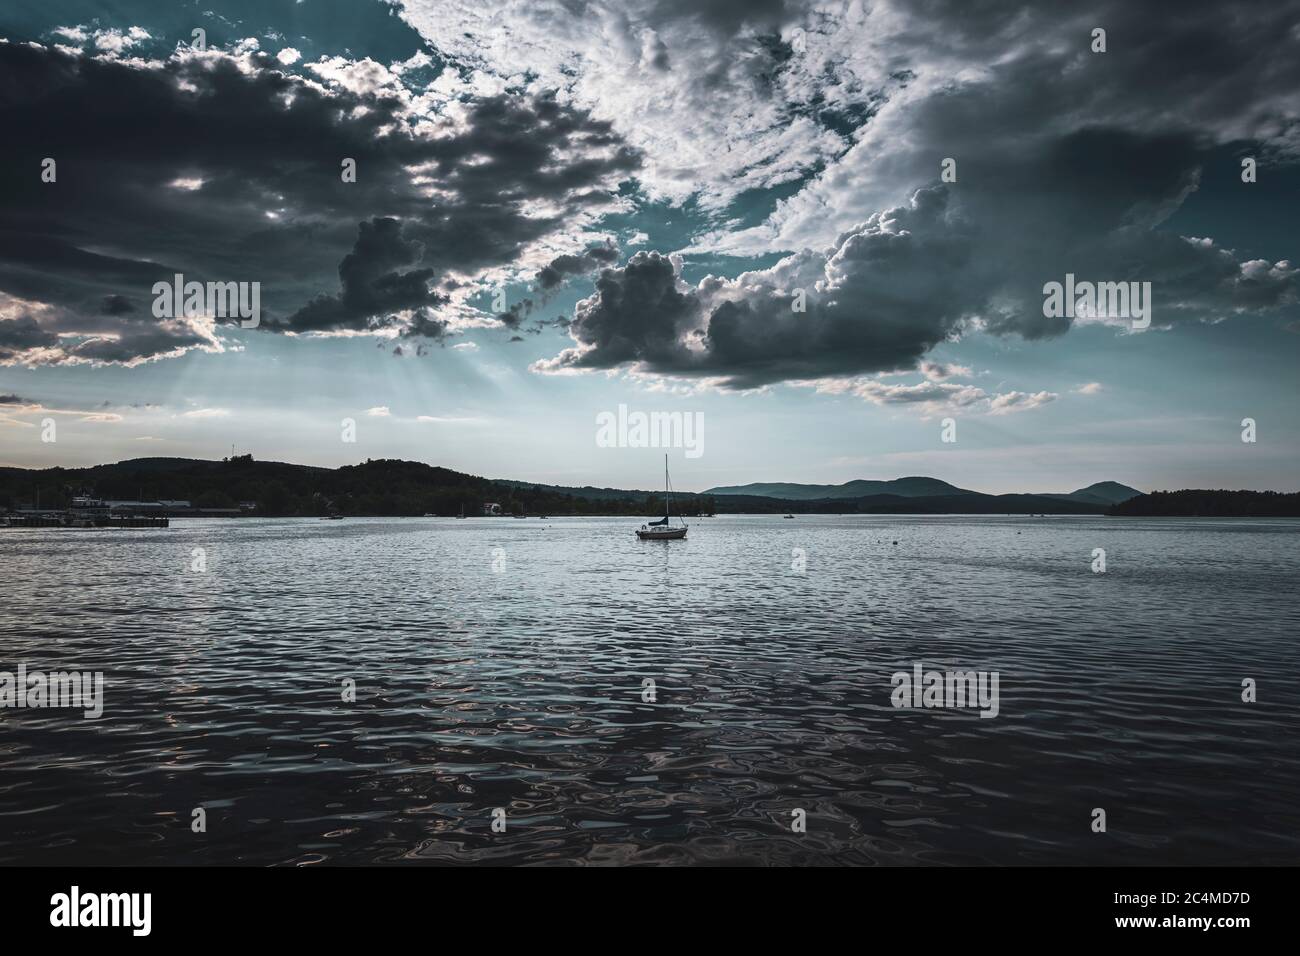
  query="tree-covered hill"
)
[
  {"x": 375, "y": 487},
  {"x": 1211, "y": 504}
]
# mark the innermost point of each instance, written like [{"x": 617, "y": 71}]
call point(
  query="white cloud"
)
[
  {"x": 119, "y": 41},
  {"x": 942, "y": 371},
  {"x": 718, "y": 106},
  {"x": 77, "y": 34},
  {"x": 32, "y": 409},
  {"x": 933, "y": 398},
  {"x": 1019, "y": 401},
  {"x": 447, "y": 420},
  {"x": 379, "y": 411},
  {"x": 288, "y": 56},
  {"x": 364, "y": 77}
]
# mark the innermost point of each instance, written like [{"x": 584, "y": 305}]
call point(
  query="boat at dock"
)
[{"x": 662, "y": 530}]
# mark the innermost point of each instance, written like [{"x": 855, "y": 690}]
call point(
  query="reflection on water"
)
[{"x": 521, "y": 687}]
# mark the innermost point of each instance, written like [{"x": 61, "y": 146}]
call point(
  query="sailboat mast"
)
[{"x": 667, "y": 493}]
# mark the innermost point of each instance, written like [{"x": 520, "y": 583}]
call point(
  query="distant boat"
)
[
  {"x": 462, "y": 512},
  {"x": 789, "y": 516},
  {"x": 334, "y": 518},
  {"x": 661, "y": 530}
]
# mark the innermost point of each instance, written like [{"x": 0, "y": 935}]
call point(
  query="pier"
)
[{"x": 82, "y": 521}]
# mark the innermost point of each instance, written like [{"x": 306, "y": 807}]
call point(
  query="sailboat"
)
[{"x": 661, "y": 530}]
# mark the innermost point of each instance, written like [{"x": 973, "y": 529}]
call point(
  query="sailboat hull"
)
[
  {"x": 668, "y": 534},
  {"x": 660, "y": 530}
]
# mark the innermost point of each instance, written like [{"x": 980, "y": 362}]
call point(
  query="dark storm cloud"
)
[
  {"x": 1067, "y": 161},
  {"x": 884, "y": 296},
  {"x": 225, "y": 169},
  {"x": 1005, "y": 88},
  {"x": 890, "y": 290},
  {"x": 553, "y": 275},
  {"x": 728, "y": 16},
  {"x": 514, "y": 316},
  {"x": 424, "y": 324},
  {"x": 1225, "y": 70},
  {"x": 23, "y": 333},
  {"x": 372, "y": 286},
  {"x": 515, "y": 158},
  {"x": 131, "y": 347},
  {"x": 636, "y": 315},
  {"x": 116, "y": 305},
  {"x": 562, "y": 267}
]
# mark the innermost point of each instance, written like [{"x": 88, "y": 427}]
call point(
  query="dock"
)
[{"x": 80, "y": 521}]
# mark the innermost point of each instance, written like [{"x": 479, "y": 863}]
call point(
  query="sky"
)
[{"x": 824, "y": 230}]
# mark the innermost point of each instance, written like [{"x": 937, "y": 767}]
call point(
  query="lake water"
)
[{"x": 501, "y": 663}]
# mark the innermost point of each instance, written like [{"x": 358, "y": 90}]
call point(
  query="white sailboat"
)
[{"x": 661, "y": 530}]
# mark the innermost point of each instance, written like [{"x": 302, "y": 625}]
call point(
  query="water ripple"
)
[{"x": 513, "y": 679}]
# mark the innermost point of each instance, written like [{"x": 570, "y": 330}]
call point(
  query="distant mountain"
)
[
  {"x": 1103, "y": 493},
  {"x": 974, "y": 503},
  {"x": 1111, "y": 491},
  {"x": 860, "y": 488},
  {"x": 391, "y": 487},
  {"x": 968, "y": 502}
]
